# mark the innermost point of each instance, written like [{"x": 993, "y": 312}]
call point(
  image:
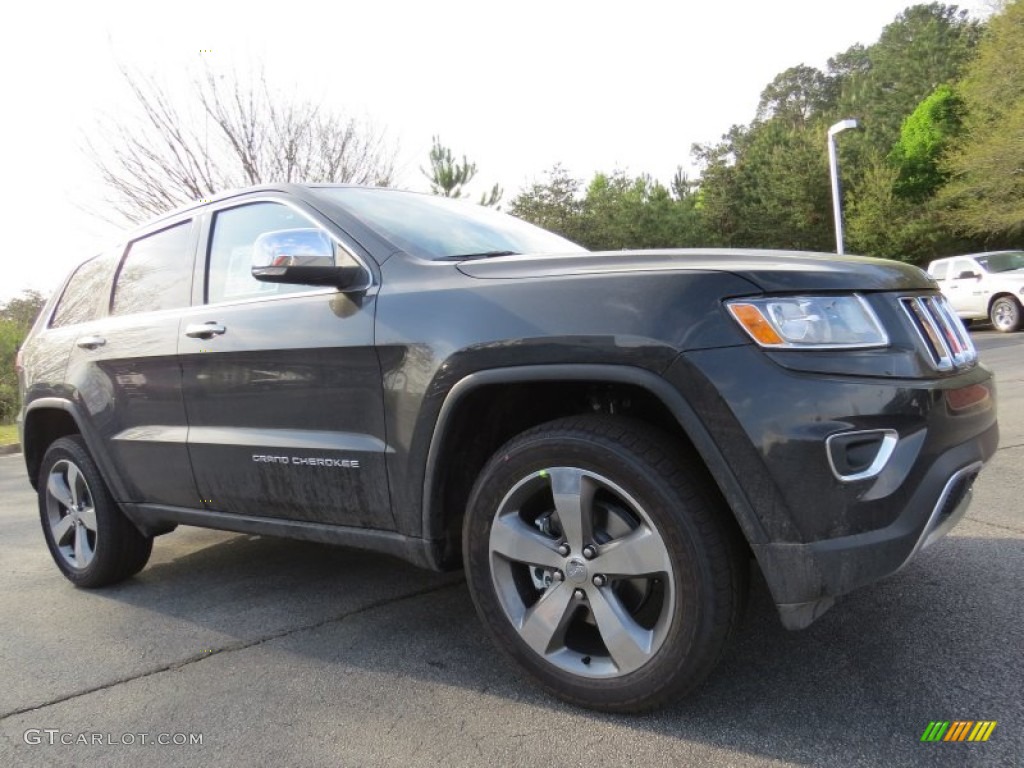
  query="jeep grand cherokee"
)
[{"x": 604, "y": 441}]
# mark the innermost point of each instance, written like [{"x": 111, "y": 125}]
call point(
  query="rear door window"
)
[
  {"x": 81, "y": 301},
  {"x": 156, "y": 273},
  {"x": 940, "y": 270}
]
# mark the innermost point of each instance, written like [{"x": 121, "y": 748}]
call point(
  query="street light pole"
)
[{"x": 833, "y": 164}]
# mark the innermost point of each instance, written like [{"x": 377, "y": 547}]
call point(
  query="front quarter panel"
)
[{"x": 436, "y": 326}]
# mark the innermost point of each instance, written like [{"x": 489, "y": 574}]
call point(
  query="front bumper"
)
[
  {"x": 808, "y": 577},
  {"x": 816, "y": 535}
]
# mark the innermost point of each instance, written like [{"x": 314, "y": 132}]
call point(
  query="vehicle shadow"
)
[{"x": 940, "y": 641}]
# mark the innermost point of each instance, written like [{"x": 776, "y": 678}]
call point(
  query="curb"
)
[{"x": 8, "y": 449}]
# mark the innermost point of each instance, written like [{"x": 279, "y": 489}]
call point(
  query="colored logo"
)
[{"x": 958, "y": 730}]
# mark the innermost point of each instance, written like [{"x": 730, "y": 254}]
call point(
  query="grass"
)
[{"x": 8, "y": 434}]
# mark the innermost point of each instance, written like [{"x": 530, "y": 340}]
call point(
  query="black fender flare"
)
[
  {"x": 671, "y": 398},
  {"x": 92, "y": 441}
]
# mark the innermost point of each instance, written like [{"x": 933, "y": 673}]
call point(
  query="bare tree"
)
[{"x": 229, "y": 132}]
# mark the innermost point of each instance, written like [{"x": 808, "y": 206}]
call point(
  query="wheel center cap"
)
[{"x": 576, "y": 571}]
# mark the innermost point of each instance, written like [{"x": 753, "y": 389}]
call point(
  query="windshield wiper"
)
[{"x": 481, "y": 255}]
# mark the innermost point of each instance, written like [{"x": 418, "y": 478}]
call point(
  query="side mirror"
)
[
  {"x": 300, "y": 257},
  {"x": 968, "y": 275}
]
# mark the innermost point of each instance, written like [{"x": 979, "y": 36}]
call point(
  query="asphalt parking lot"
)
[{"x": 285, "y": 653}]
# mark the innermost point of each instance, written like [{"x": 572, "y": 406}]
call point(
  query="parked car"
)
[
  {"x": 984, "y": 286},
  {"x": 605, "y": 442}
]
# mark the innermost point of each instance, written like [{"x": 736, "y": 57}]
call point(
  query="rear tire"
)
[
  {"x": 1006, "y": 315},
  {"x": 636, "y": 608},
  {"x": 89, "y": 538}
]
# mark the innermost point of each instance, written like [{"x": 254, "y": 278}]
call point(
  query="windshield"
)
[
  {"x": 1002, "y": 262},
  {"x": 441, "y": 228}
]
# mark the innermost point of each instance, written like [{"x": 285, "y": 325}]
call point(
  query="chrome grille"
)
[{"x": 947, "y": 342}]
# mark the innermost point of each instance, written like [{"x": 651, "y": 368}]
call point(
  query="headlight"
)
[{"x": 809, "y": 322}]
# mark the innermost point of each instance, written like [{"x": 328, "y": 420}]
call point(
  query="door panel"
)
[
  {"x": 285, "y": 404},
  {"x": 966, "y": 294},
  {"x": 286, "y": 411},
  {"x": 124, "y": 372},
  {"x": 130, "y": 390}
]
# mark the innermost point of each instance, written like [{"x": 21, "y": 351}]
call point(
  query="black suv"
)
[{"x": 604, "y": 441}]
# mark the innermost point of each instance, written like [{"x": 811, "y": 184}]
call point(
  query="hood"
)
[{"x": 771, "y": 271}]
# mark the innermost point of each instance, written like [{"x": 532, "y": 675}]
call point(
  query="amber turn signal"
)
[{"x": 755, "y": 323}]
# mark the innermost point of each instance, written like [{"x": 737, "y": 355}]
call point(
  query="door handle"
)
[
  {"x": 91, "y": 342},
  {"x": 204, "y": 330}
]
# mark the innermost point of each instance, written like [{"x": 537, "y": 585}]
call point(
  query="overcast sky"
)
[{"x": 515, "y": 86}]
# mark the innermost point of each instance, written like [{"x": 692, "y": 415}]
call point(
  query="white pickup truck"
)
[{"x": 984, "y": 286}]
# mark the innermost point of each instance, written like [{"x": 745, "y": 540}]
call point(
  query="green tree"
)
[
  {"x": 924, "y": 47},
  {"x": 884, "y": 223},
  {"x": 617, "y": 211},
  {"x": 766, "y": 184},
  {"x": 721, "y": 184},
  {"x": 924, "y": 138},
  {"x": 11, "y": 337},
  {"x": 16, "y": 319},
  {"x": 448, "y": 177},
  {"x": 848, "y": 67},
  {"x": 614, "y": 212},
  {"x": 554, "y": 203},
  {"x": 875, "y": 212},
  {"x": 892, "y": 211},
  {"x": 985, "y": 196},
  {"x": 797, "y": 96},
  {"x": 23, "y": 310}
]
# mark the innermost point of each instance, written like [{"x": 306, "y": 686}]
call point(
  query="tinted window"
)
[
  {"x": 229, "y": 271},
  {"x": 440, "y": 228},
  {"x": 963, "y": 265},
  {"x": 156, "y": 272},
  {"x": 1003, "y": 262},
  {"x": 81, "y": 300},
  {"x": 939, "y": 270}
]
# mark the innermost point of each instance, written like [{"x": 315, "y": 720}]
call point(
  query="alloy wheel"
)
[
  {"x": 71, "y": 514},
  {"x": 1005, "y": 314},
  {"x": 581, "y": 572}
]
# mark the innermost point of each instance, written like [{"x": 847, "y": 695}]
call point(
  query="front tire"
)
[
  {"x": 1006, "y": 315},
  {"x": 90, "y": 540},
  {"x": 602, "y": 564}
]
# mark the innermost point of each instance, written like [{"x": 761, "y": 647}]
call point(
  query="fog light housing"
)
[{"x": 860, "y": 455}]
